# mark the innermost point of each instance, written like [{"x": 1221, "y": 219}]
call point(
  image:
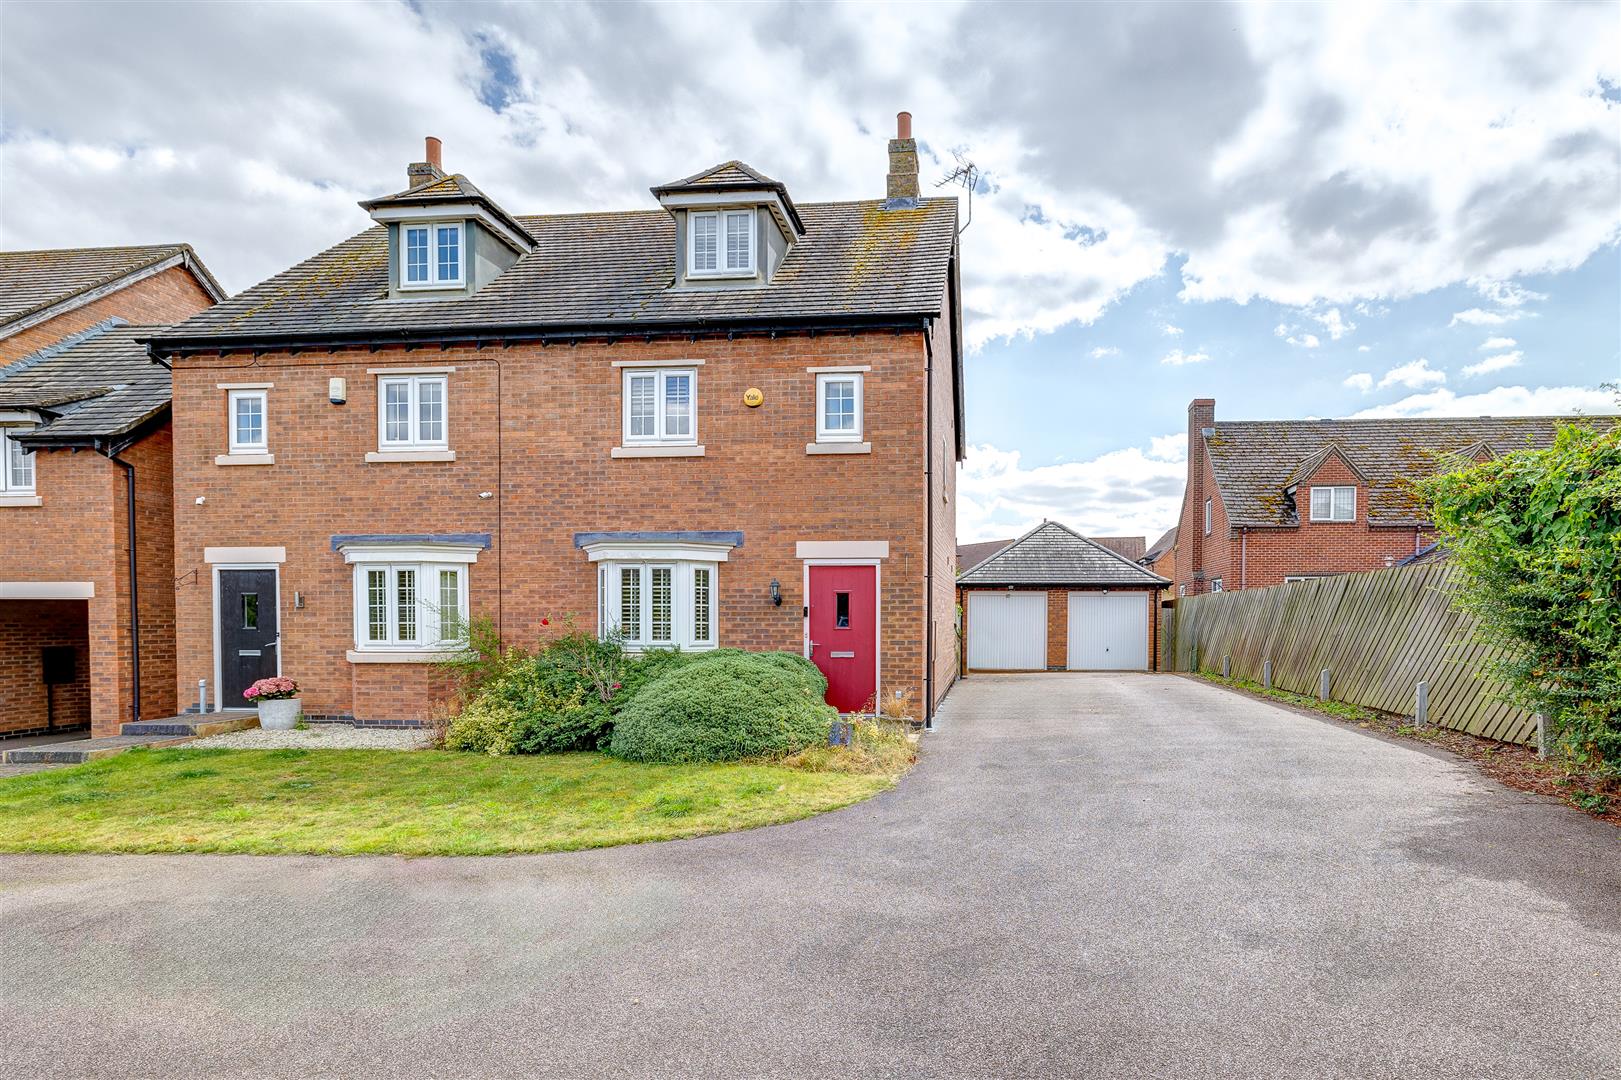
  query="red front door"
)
[{"x": 844, "y": 633}]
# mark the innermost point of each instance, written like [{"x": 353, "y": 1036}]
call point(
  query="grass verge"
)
[
  {"x": 372, "y": 802},
  {"x": 1508, "y": 763}
]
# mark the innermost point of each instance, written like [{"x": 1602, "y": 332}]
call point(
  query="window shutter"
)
[
  {"x": 705, "y": 242},
  {"x": 739, "y": 241}
]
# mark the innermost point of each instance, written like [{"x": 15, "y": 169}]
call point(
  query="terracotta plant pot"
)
[{"x": 280, "y": 715}]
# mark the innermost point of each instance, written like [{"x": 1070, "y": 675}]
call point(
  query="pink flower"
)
[
  {"x": 616, "y": 686},
  {"x": 276, "y": 688}
]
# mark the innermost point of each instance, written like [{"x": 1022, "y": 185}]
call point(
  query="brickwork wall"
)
[
  {"x": 1057, "y": 629},
  {"x": 556, "y": 414},
  {"x": 166, "y": 297},
  {"x": 1058, "y": 619},
  {"x": 26, "y": 627}
]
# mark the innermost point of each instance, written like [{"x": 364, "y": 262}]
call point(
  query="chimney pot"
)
[
  {"x": 902, "y": 182},
  {"x": 903, "y": 125},
  {"x": 434, "y": 146}
]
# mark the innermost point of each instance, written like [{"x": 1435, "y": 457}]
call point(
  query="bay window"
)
[
  {"x": 410, "y": 599},
  {"x": 654, "y": 605}
]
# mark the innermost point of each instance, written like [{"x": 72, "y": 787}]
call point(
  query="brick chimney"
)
[
  {"x": 1190, "y": 533},
  {"x": 903, "y": 161},
  {"x": 420, "y": 172}
]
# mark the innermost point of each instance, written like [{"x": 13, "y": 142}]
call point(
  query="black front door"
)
[{"x": 249, "y": 633}]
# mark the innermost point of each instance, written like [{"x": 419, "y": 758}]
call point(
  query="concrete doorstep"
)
[{"x": 169, "y": 731}]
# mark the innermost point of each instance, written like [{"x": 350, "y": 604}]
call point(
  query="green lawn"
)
[{"x": 429, "y": 802}]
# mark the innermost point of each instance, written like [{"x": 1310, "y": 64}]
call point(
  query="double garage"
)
[{"x": 1055, "y": 601}]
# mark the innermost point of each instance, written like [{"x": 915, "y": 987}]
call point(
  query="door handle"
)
[{"x": 813, "y": 647}]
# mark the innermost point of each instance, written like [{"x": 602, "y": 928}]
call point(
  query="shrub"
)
[
  {"x": 724, "y": 706},
  {"x": 485, "y": 725}
]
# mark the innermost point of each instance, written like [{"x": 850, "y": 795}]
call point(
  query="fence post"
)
[
  {"x": 1542, "y": 736},
  {"x": 1193, "y": 658},
  {"x": 1226, "y": 666},
  {"x": 1266, "y": 675},
  {"x": 1421, "y": 707},
  {"x": 1322, "y": 685}
]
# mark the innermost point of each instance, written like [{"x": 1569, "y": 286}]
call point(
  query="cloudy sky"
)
[{"x": 1299, "y": 210}]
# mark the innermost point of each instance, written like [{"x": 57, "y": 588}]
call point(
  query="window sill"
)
[
  {"x": 656, "y": 451},
  {"x": 381, "y": 457},
  {"x": 431, "y": 286},
  {"x": 21, "y": 500},
  {"x": 838, "y": 448},
  {"x": 245, "y": 459},
  {"x": 400, "y": 656}
]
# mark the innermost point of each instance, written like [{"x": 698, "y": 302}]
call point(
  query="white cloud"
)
[
  {"x": 1364, "y": 348},
  {"x": 1500, "y": 362},
  {"x": 1127, "y": 492},
  {"x": 1481, "y": 317},
  {"x": 1304, "y": 341},
  {"x": 1414, "y": 374},
  {"x": 1506, "y": 293},
  {"x": 1360, "y": 381},
  {"x": 1102, "y": 351},
  {"x": 1178, "y": 358},
  {"x": 1333, "y": 322},
  {"x": 1264, "y": 177},
  {"x": 1492, "y": 343},
  {"x": 1171, "y": 331},
  {"x": 1502, "y": 401}
]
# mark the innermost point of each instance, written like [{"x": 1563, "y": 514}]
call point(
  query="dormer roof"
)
[
  {"x": 447, "y": 195},
  {"x": 733, "y": 177},
  {"x": 1312, "y": 462}
]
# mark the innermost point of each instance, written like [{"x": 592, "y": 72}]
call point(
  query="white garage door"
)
[
  {"x": 1007, "y": 631},
  {"x": 1108, "y": 631}
]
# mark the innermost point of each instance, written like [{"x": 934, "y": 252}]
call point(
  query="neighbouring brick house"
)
[
  {"x": 1272, "y": 501},
  {"x": 729, "y": 420},
  {"x": 1161, "y": 557},
  {"x": 85, "y": 483},
  {"x": 47, "y": 295}
]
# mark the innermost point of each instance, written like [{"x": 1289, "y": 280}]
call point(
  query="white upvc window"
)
[
  {"x": 1208, "y": 516},
  {"x": 410, "y": 605},
  {"x": 432, "y": 255},
  {"x": 412, "y": 412},
  {"x": 661, "y": 406},
  {"x": 658, "y": 605},
  {"x": 839, "y": 408},
  {"x": 720, "y": 243},
  {"x": 246, "y": 410},
  {"x": 16, "y": 465},
  {"x": 1333, "y": 503}
]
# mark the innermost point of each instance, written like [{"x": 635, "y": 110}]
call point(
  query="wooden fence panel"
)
[{"x": 1379, "y": 634}]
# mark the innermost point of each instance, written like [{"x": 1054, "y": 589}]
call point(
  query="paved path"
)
[{"x": 1103, "y": 876}]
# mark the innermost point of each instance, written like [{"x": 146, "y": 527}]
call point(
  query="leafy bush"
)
[
  {"x": 484, "y": 726},
  {"x": 1536, "y": 537},
  {"x": 723, "y": 706}
]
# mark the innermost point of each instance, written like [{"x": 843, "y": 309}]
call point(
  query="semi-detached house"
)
[{"x": 728, "y": 420}]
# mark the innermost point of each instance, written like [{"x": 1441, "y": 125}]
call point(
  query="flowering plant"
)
[{"x": 272, "y": 689}]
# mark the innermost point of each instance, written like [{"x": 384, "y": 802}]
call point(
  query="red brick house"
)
[
  {"x": 1272, "y": 501},
  {"x": 728, "y": 420}
]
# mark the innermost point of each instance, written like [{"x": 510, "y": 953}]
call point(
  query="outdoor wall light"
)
[{"x": 776, "y": 593}]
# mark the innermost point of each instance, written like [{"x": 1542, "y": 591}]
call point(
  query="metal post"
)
[
  {"x": 1542, "y": 736},
  {"x": 1421, "y": 707},
  {"x": 1194, "y": 654},
  {"x": 202, "y": 696},
  {"x": 1322, "y": 685},
  {"x": 1266, "y": 675},
  {"x": 1227, "y": 666}
]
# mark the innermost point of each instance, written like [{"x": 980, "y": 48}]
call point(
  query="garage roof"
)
[{"x": 1051, "y": 554}]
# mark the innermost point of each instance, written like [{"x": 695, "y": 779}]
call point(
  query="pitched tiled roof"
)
[
  {"x": 1160, "y": 547},
  {"x": 446, "y": 191},
  {"x": 97, "y": 383},
  {"x": 1050, "y": 554},
  {"x": 32, "y": 281},
  {"x": 726, "y": 174},
  {"x": 971, "y": 555},
  {"x": 856, "y": 261},
  {"x": 1255, "y": 460},
  {"x": 1131, "y": 547}
]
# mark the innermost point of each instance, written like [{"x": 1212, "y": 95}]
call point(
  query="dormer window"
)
[
  {"x": 720, "y": 243},
  {"x": 431, "y": 255}
]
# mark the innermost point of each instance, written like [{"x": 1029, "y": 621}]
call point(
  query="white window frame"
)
[
  {"x": 1209, "y": 516},
  {"x": 660, "y": 377},
  {"x": 722, "y": 270},
  {"x": 684, "y": 575},
  {"x": 7, "y": 448},
  {"x": 434, "y": 280},
  {"x": 413, "y": 441},
  {"x": 428, "y": 613},
  {"x": 1336, "y": 491},
  {"x": 234, "y": 443},
  {"x": 825, "y": 434},
  {"x": 1290, "y": 579}
]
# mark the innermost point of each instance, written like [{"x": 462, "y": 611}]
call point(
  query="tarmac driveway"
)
[{"x": 1087, "y": 875}]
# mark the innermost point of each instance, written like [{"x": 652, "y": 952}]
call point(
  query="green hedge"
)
[{"x": 723, "y": 706}]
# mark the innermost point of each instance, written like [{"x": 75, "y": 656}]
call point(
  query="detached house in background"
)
[
  {"x": 728, "y": 420},
  {"x": 86, "y": 505},
  {"x": 1272, "y": 501}
]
